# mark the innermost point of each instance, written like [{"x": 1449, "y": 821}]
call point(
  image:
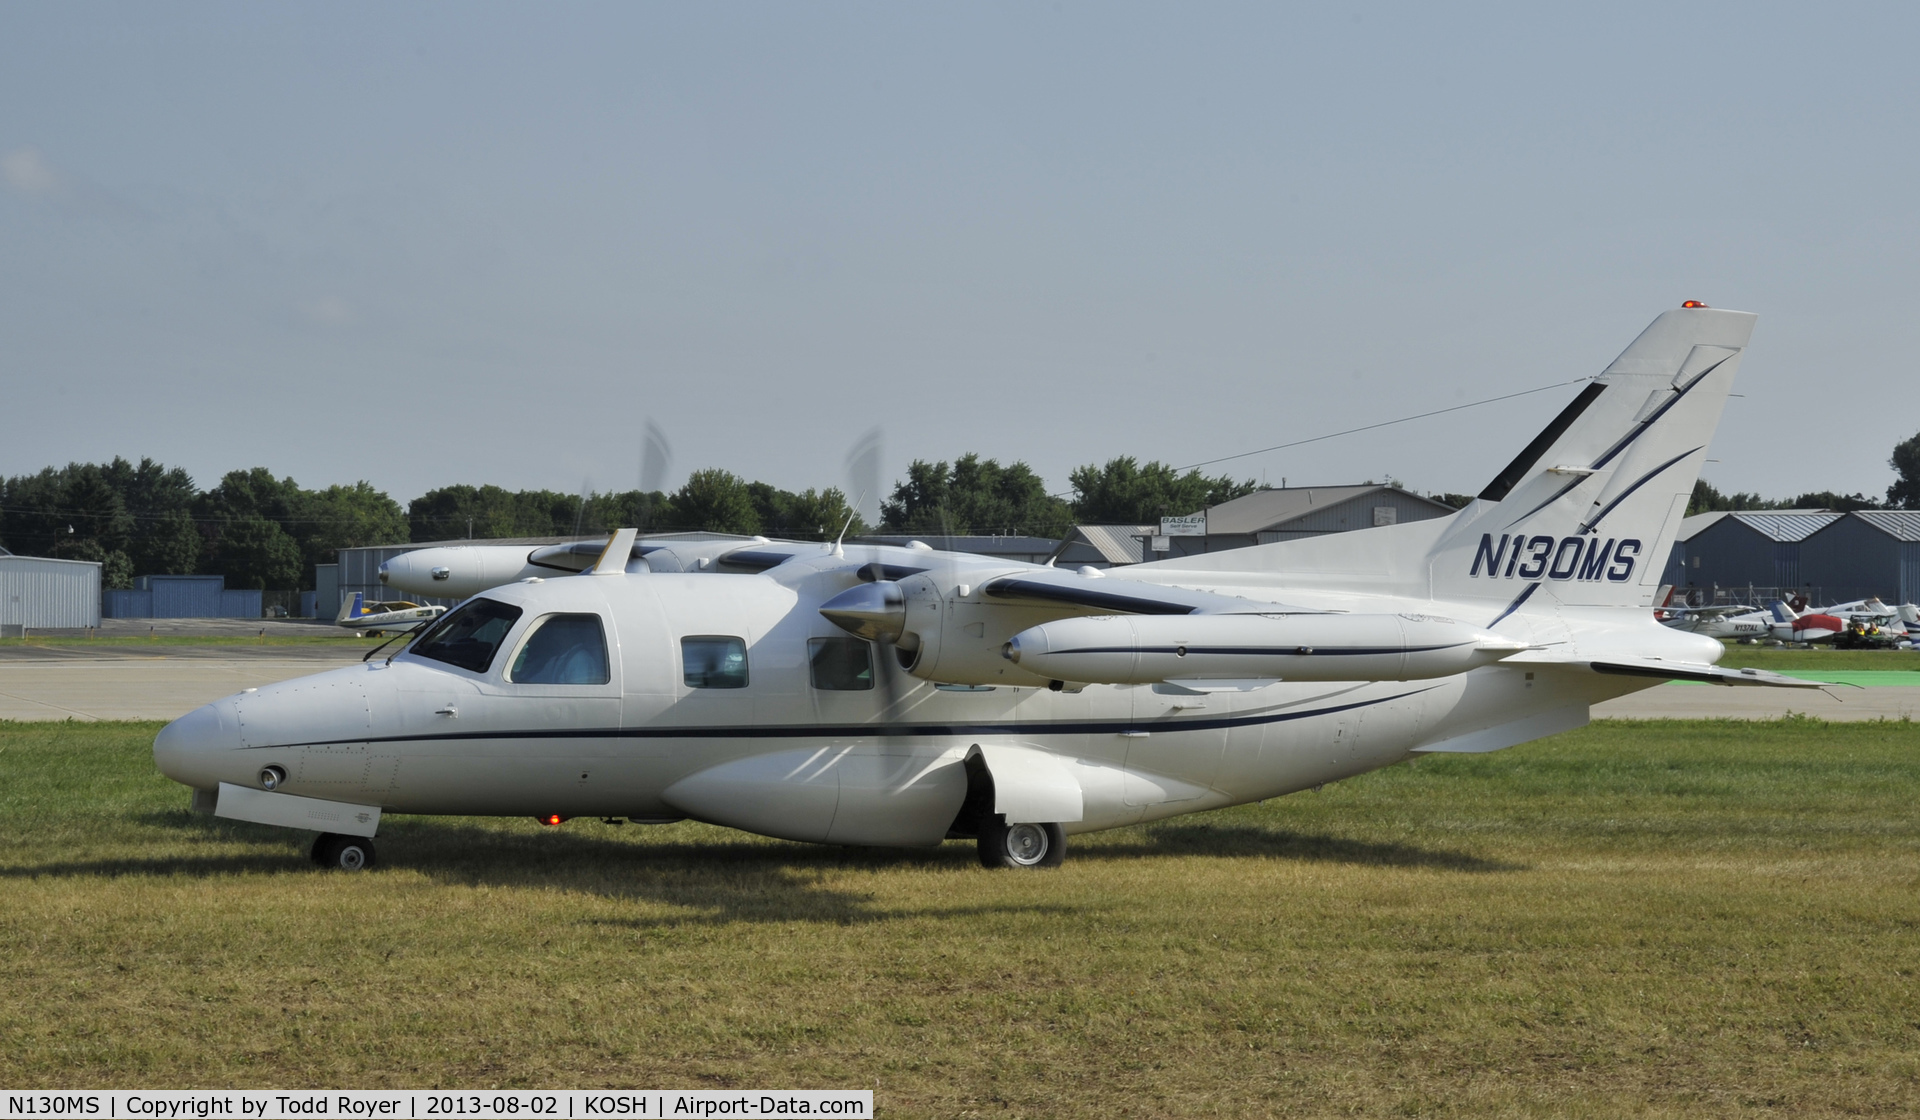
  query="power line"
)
[{"x": 1381, "y": 424}]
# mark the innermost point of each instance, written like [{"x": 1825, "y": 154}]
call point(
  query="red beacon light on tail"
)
[
  {"x": 1693, "y": 303},
  {"x": 550, "y": 819}
]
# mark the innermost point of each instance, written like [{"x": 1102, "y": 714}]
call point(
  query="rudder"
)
[{"x": 1587, "y": 513}]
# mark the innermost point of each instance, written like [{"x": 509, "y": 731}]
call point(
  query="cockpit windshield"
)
[{"x": 470, "y": 636}]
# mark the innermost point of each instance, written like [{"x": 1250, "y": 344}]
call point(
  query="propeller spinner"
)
[{"x": 874, "y": 611}]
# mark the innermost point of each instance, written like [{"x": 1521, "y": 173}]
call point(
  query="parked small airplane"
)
[
  {"x": 1901, "y": 621},
  {"x": 1736, "y": 622},
  {"x": 873, "y": 695},
  {"x": 384, "y": 618},
  {"x": 1779, "y": 622}
]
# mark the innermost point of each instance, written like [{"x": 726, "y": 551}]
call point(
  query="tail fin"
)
[
  {"x": 1589, "y": 510},
  {"x": 1585, "y": 515},
  {"x": 350, "y": 608},
  {"x": 1782, "y": 612}
]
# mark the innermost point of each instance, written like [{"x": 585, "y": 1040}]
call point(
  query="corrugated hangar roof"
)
[
  {"x": 1116, "y": 544},
  {"x": 1266, "y": 509},
  {"x": 1774, "y": 524},
  {"x": 1899, "y": 524},
  {"x": 1697, "y": 522}
]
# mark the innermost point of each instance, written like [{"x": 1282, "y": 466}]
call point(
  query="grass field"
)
[
  {"x": 1819, "y": 657},
  {"x": 1644, "y": 919}
]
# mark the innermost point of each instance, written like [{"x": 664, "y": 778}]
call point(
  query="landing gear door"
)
[{"x": 1031, "y": 786}]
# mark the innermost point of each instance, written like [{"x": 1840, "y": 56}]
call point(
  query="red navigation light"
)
[
  {"x": 550, "y": 819},
  {"x": 1693, "y": 303}
]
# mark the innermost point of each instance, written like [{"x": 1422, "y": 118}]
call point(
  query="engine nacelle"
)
[
  {"x": 1144, "y": 649},
  {"x": 956, "y": 635},
  {"x": 458, "y": 571},
  {"x": 941, "y": 630}
]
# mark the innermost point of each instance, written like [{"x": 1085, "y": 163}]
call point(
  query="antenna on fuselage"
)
[{"x": 839, "y": 549}]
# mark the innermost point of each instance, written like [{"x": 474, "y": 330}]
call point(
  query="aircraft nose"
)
[{"x": 190, "y": 749}]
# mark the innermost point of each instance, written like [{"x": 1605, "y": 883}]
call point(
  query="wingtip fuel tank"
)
[{"x": 1145, "y": 649}]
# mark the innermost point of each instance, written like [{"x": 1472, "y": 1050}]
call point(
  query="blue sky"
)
[{"x": 422, "y": 244}]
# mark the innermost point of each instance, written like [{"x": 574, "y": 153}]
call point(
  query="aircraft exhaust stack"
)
[{"x": 1146, "y": 649}]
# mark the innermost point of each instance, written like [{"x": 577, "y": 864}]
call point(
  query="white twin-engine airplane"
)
[{"x": 905, "y": 696}]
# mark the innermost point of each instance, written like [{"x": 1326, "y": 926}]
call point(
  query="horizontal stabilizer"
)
[{"x": 1665, "y": 670}]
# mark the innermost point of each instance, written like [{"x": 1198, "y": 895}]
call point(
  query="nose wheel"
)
[
  {"x": 343, "y": 853},
  {"x": 1021, "y": 845}
]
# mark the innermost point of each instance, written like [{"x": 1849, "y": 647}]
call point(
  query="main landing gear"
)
[
  {"x": 1021, "y": 845},
  {"x": 343, "y": 853}
]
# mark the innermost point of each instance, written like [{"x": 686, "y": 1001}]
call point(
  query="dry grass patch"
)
[{"x": 1632, "y": 920}]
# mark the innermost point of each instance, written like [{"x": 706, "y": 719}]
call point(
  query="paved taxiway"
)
[{"x": 164, "y": 682}]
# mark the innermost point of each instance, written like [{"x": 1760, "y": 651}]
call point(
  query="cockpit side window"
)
[
  {"x": 563, "y": 649},
  {"x": 840, "y": 664},
  {"x": 713, "y": 661},
  {"x": 468, "y": 637}
]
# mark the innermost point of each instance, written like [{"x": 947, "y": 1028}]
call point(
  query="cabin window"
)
[
  {"x": 840, "y": 664},
  {"x": 563, "y": 649},
  {"x": 470, "y": 636},
  {"x": 714, "y": 662}
]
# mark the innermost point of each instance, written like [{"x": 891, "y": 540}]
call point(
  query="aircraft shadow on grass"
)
[
  {"x": 725, "y": 881},
  {"x": 1198, "y": 838}
]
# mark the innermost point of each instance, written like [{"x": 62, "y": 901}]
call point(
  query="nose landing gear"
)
[{"x": 343, "y": 853}]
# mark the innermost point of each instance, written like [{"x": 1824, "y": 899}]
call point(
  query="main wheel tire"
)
[
  {"x": 343, "y": 853},
  {"x": 1021, "y": 845}
]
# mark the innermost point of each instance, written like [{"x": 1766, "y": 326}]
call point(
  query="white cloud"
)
[{"x": 27, "y": 172}]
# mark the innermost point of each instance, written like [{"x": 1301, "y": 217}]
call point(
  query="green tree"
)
[
  {"x": 1905, "y": 491},
  {"x": 116, "y": 571},
  {"x": 808, "y": 515},
  {"x": 252, "y": 493},
  {"x": 714, "y": 501},
  {"x": 345, "y": 517},
  {"x": 94, "y": 508},
  {"x": 974, "y": 495},
  {"x": 1827, "y": 499},
  {"x": 256, "y": 554},
  {"x": 1125, "y": 492},
  {"x": 56, "y": 512},
  {"x": 630, "y": 509},
  {"x": 169, "y": 544},
  {"x": 160, "y": 500},
  {"x": 1706, "y": 499},
  {"x": 458, "y": 512}
]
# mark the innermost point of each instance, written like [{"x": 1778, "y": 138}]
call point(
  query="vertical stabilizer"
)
[{"x": 1587, "y": 513}]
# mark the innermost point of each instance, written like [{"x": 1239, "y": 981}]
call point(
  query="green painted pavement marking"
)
[{"x": 1865, "y": 678}]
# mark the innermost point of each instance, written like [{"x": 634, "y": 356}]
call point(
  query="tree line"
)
[
  {"x": 265, "y": 532},
  {"x": 1904, "y": 493}
]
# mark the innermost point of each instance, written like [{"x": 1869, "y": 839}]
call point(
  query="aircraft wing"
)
[
  {"x": 1709, "y": 612},
  {"x": 1660, "y": 669},
  {"x": 1053, "y": 587}
]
